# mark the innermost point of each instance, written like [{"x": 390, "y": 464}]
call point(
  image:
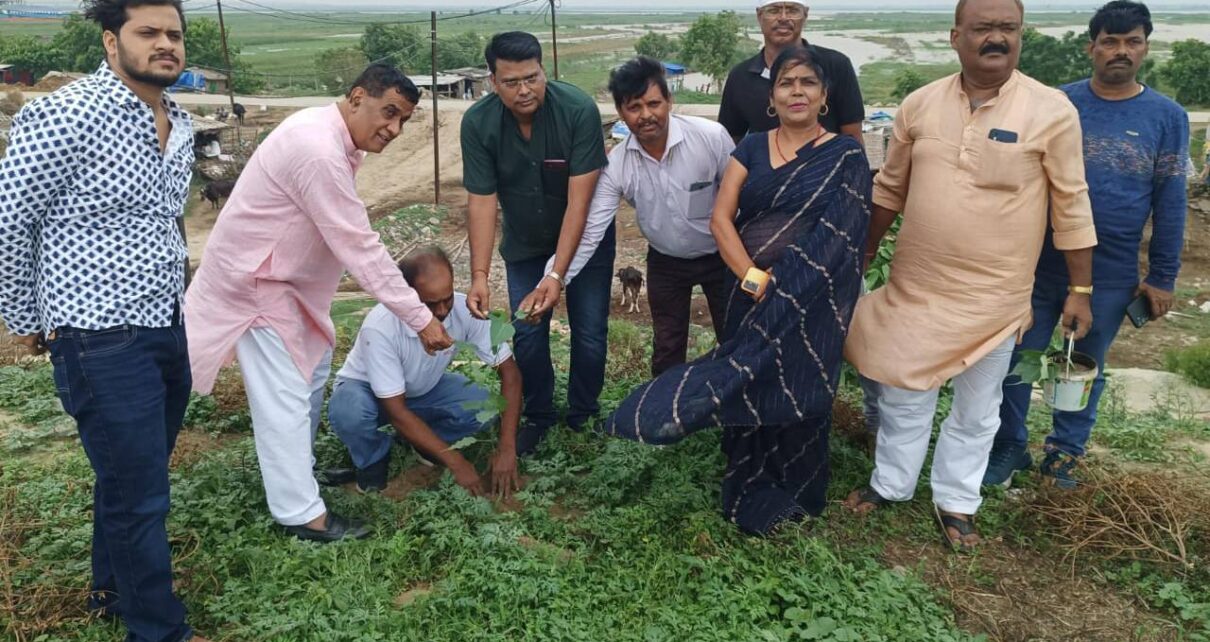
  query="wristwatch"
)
[
  {"x": 754, "y": 279},
  {"x": 1080, "y": 289}
]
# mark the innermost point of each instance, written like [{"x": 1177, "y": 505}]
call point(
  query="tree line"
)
[
  {"x": 1058, "y": 61},
  {"x": 77, "y": 48},
  {"x": 713, "y": 45}
]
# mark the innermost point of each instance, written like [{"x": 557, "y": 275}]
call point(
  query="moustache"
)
[
  {"x": 1125, "y": 61},
  {"x": 169, "y": 58},
  {"x": 994, "y": 47}
]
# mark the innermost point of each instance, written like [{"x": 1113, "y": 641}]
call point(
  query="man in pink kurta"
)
[{"x": 291, "y": 228}]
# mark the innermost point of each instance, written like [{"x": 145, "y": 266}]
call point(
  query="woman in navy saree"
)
[{"x": 802, "y": 198}]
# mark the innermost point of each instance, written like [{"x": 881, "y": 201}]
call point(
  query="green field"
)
[
  {"x": 282, "y": 47},
  {"x": 610, "y": 540}
]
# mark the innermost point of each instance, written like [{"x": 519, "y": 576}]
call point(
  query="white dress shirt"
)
[
  {"x": 673, "y": 197},
  {"x": 389, "y": 356}
]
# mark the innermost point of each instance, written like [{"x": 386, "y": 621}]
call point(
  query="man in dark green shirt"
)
[{"x": 535, "y": 148}]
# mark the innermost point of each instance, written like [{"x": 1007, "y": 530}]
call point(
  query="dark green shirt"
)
[{"x": 530, "y": 177}]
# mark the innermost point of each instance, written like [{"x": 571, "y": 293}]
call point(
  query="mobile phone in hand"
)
[{"x": 1139, "y": 311}]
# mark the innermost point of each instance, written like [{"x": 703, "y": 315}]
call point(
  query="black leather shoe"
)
[
  {"x": 528, "y": 439},
  {"x": 373, "y": 478},
  {"x": 338, "y": 528},
  {"x": 335, "y": 476}
]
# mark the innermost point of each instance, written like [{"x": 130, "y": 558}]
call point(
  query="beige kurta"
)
[{"x": 974, "y": 218}]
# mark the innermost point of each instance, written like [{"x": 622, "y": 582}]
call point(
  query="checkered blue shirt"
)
[{"x": 88, "y": 209}]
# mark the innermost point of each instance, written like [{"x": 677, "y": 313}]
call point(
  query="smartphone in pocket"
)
[
  {"x": 555, "y": 177},
  {"x": 1139, "y": 311}
]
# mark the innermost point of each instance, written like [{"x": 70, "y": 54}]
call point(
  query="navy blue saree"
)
[{"x": 771, "y": 382}]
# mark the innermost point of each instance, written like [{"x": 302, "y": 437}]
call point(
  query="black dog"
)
[
  {"x": 632, "y": 282},
  {"x": 215, "y": 191}
]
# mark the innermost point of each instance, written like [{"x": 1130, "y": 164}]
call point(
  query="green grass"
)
[
  {"x": 877, "y": 79},
  {"x": 611, "y": 540},
  {"x": 614, "y": 541}
]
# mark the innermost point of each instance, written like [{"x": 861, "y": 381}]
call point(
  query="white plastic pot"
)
[{"x": 1069, "y": 391}]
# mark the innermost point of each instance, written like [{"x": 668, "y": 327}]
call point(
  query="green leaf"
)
[
  {"x": 465, "y": 442},
  {"x": 1032, "y": 367},
  {"x": 502, "y": 329},
  {"x": 820, "y": 628}
]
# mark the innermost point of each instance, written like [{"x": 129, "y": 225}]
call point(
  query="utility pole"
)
[
  {"x": 436, "y": 127},
  {"x": 554, "y": 38},
  {"x": 222, "y": 29}
]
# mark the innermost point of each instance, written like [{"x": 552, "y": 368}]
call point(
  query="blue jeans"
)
[
  {"x": 355, "y": 415},
  {"x": 127, "y": 388},
  {"x": 587, "y": 300},
  {"x": 1071, "y": 429}
]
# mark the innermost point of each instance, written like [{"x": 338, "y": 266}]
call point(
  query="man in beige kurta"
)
[{"x": 974, "y": 159}]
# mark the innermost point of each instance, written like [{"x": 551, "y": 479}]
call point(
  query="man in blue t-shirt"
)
[{"x": 1136, "y": 142}]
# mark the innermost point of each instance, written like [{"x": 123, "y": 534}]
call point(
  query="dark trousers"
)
[
  {"x": 1071, "y": 430},
  {"x": 127, "y": 388},
  {"x": 670, "y": 282},
  {"x": 587, "y": 301}
]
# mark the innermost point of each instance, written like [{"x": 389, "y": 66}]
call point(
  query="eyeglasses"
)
[
  {"x": 785, "y": 10},
  {"x": 531, "y": 81}
]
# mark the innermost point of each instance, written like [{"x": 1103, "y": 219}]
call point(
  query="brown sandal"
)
[
  {"x": 868, "y": 495},
  {"x": 964, "y": 525}
]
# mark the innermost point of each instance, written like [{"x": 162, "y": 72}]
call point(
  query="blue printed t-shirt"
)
[{"x": 1135, "y": 152}]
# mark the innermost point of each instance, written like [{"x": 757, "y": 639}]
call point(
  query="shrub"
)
[
  {"x": 629, "y": 351},
  {"x": 1192, "y": 362}
]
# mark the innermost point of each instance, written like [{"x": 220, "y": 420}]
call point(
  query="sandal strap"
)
[
  {"x": 964, "y": 525},
  {"x": 868, "y": 495}
]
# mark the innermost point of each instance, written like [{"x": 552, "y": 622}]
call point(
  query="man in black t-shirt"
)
[{"x": 745, "y": 106}]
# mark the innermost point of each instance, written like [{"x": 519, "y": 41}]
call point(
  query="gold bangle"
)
[
  {"x": 754, "y": 279},
  {"x": 1080, "y": 289}
]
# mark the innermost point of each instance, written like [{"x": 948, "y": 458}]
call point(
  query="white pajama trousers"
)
[
  {"x": 285, "y": 419},
  {"x": 960, "y": 458}
]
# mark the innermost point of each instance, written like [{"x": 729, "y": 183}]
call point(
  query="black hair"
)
[
  {"x": 379, "y": 77},
  {"x": 1120, "y": 16},
  {"x": 513, "y": 46},
  {"x": 634, "y": 78},
  {"x": 420, "y": 261},
  {"x": 793, "y": 57},
  {"x": 111, "y": 14}
]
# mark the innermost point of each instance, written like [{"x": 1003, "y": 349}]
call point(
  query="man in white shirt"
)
[
  {"x": 390, "y": 379},
  {"x": 669, "y": 169}
]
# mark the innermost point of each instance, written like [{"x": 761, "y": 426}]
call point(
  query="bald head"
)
[
  {"x": 429, "y": 272},
  {"x": 423, "y": 262},
  {"x": 962, "y": 5}
]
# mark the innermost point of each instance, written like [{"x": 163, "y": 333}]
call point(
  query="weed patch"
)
[{"x": 1193, "y": 363}]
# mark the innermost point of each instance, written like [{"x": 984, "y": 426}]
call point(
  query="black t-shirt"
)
[{"x": 745, "y": 107}]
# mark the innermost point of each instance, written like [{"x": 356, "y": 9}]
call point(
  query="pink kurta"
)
[
  {"x": 974, "y": 189},
  {"x": 291, "y": 228}
]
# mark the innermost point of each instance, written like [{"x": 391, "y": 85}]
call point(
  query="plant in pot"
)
[{"x": 1066, "y": 376}]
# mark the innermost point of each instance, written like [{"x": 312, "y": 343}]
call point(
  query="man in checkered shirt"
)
[{"x": 92, "y": 263}]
